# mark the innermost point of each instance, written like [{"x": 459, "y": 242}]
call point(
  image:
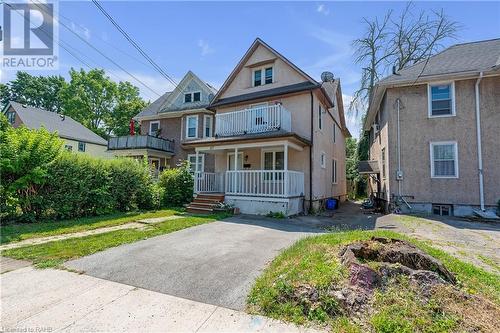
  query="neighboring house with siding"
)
[
  {"x": 279, "y": 139},
  {"x": 445, "y": 159},
  {"x": 77, "y": 138},
  {"x": 174, "y": 118}
]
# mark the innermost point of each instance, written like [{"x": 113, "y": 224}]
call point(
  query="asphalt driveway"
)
[{"x": 214, "y": 263}]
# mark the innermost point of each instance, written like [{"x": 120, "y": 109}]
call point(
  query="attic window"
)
[
  {"x": 268, "y": 78},
  {"x": 192, "y": 97},
  {"x": 11, "y": 116}
]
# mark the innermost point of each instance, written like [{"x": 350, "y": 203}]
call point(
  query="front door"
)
[
  {"x": 230, "y": 161},
  {"x": 274, "y": 160}
]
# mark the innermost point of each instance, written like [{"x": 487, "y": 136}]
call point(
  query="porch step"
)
[{"x": 204, "y": 203}]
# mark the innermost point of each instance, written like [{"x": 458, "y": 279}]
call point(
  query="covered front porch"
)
[{"x": 257, "y": 177}]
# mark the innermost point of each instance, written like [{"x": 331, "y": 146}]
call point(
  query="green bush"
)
[
  {"x": 177, "y": 185},
  {"x": 39, "y": 180},
  {"x": 25, "y": 157}
]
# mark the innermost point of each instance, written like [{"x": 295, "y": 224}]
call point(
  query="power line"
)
[
  {"x": 101, "y": 53},
  {"x": 134, "y": 43}
]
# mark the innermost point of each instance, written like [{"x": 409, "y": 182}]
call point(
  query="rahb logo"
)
[{"x": 29, "y": 35}]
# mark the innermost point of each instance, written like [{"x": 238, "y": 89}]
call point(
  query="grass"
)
[
  {"x": 53, "y": 254},
  {"x": 314, "y": 261},
  {"x": 18, "y": 232}
]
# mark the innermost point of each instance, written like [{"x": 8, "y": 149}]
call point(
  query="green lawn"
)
[
  {"x": 314, "y": 261},
  {"x": 54, "y": 253},
  {"x": 17, "y": 232}
]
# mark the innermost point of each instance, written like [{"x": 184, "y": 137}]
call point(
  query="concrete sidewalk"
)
[{"x": 51, "y": 300}]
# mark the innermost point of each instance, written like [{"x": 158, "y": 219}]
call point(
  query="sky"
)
[{"x": 209, "y": 38}]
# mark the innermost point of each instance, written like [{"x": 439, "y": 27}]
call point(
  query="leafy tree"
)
[
  {"x": 37, "y": 91},
  {"x": 128, "y": 104},
  {"x": 89, "y": 98},
  {"x": 177, "y": 185},
  {"x": 25, "y": 157}
]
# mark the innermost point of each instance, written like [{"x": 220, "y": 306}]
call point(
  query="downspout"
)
[
  {"x": 311, "y": 152},
  {"x": 398, "y": 176},
  {"x": 479, "y": 152}
]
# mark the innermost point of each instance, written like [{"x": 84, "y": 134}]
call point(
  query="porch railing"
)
[
  {"x": 264, "y": 183},
  {"x": 208, "y": 182},
  {"x": 254, "y": 120},
  {"x": 140, "y": 141}
]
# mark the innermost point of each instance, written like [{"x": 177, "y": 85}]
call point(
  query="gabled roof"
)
[
  {"x": 65, "y": 126},
  {"x": 259, "y": 42},
  {"x": 458, "y": 61},
  {"x": 164, "y": 103}
]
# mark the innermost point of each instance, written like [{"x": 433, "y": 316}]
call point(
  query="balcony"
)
[
  {"x": 141, "y": 142},
  {"x": 253, "y": 121}
]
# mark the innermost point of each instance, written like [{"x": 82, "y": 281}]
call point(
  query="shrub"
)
[
  {"x": 177, "y": 185},
  {"x": 25, "y": 157}
]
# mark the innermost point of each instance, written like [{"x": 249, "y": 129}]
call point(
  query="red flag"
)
[{"x": 132, "y": 127}]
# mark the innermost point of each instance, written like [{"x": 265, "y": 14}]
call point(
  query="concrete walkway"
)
[
  {"x": 55, "y": 300},
  {"x": 139, "y": 224}
]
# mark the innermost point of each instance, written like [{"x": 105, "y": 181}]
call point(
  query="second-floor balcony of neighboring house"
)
[
  {"x": 141, "y": 142},
  {"x": 258, "y": 119}
]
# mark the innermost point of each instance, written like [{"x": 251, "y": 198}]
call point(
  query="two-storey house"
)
[
  {"x": 433, "y": 128},
  {"x": 176, "y": 117},
  {"x": 279, "y": 138}
]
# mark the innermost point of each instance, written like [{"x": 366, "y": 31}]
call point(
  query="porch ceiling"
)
[{"x": 249, "y": 141}]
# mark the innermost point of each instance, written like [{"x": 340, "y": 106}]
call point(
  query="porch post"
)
[
  {"x": 285, "y": 167},
  {"x": 235, "y": 169},
  {"x": 196, "y": 171}
]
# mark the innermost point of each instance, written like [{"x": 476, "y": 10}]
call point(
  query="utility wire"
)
[
  {"x": 134, "y": 43},
  {"x": 100, "y": 52}
]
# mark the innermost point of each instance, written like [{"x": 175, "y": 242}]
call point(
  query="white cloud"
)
[
  {"x": 205, "y": 47},
  {"x": 321, "y": 8},
  {"x": 353, "y": 122}
]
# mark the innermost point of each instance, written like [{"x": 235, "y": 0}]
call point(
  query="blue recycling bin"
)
[{"x": 331, "y": 204}]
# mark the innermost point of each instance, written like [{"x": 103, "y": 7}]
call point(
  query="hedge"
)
[{"x": 177, "y": 185}]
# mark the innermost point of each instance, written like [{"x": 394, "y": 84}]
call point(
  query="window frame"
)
[
  {"x": 322, "y": 160},
  {"x": 262, "y": 70},
  {"x": 455, "y": 151},
  {"x": 429, "y": 99},
  {"x": 192, "y": 97},
  {"x": 334, "y": 171},
  {"x": 151, "y": 123},
  {"x": 191, "y": 93},
  {"x": 11, "y": 117},
  {"x": 202, "y": 157},
  {"x": 228, "y": 165},
  {"x": 274, "y": 151},
  {"x": 196, "y": 127},
  {"x": 383, "y": 161},
  {"x": 84, "y": 145},
  {"x": 205, "y": 122}
]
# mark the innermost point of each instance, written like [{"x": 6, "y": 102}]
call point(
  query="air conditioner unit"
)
[{"x": 376, "y": 128}]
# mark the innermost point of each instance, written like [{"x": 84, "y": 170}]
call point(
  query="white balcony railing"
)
[
  {"x": 255, "y": 120},
  {"x": 260, "y": 183}
]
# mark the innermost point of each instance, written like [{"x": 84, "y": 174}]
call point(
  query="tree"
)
[
  {"x": 128, "y": 104},
  {"x": 89, "y": 98},
  {"x": 401, "y": 42},
  {"x": 37, "y": 91}
]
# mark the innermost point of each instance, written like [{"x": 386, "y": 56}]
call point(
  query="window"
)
[
  {"x": 441, "y": 100},
  {"x": 196, "y": 96},
  {"x": 81, "y": 146},
  {"x": 320, "y": 117},
  {"x": 11, "y": 117},
  {"x": 154, "y": 127},
  {"x": 230, "y": 161},
  {"x": 334, "y": 132},
  {"x": 444, "y": 160},
  {"x": 443, "y": 210},
  {"x": 192, "y": 127},
  {"x": 257, "y": 78},
  {"x": 192, "y": 162},
  {"x": 207, "y": 126},
  {"x": 68, "y": 147},
  {"x": 268, "y": 75},
  {"x": 268, "y": 78},
  {"x": 188, "y": 98},
  {"x": 334, "y": 171},
  {"x": 322, "y": 160},
  {"x": 383, "y": 163},
  {"x": 273, "y": 160}
]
